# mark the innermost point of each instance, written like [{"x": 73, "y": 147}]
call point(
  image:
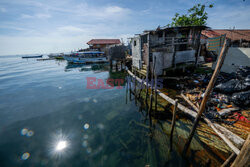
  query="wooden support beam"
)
[
  {"x": 206, "y": 96},
  {"x": 127, "y": 89},
  {"x": 155, "y": 76},
  {"x": 147, "y": 75},
  {"x": 173, "y": 124},
  {"x": 243, "y": 159},
  {"x": 229, "y": 160},
  {"x": 152, "y": 86},
  {"x": 116, "y": 66},
  {"x": 130, "y": 88},
  {"x": 189, "y": 102},
  {"x": 141, "y": 87},
  {"x": 135, "y": 92},
  {"x": 147, "y": 83},
  {"x": 155, "y": 93}
]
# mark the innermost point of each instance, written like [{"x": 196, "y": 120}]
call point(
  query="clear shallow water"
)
[{"x": 49, "y": 118}]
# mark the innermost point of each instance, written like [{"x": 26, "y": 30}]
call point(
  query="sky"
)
[{"x": 52, "y": 26}]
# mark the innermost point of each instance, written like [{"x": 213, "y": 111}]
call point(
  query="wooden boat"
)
[
  {"x": 86, "y": 57},
  {"x": 26, "y": 57},
  {"x": 56, "y": 56}
]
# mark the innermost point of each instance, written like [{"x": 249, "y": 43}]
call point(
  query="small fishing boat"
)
[
  {"x": 26, "y": 57},
  {"x": 56, "y": 56},
  {"x": 86, "y": 57}
]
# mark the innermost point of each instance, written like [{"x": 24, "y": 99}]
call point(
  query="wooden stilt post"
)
[
  {"x": 127, "y": 90},
  {"x": 135, "y": 91},
  {"x": 141, "y": 87},
  {"x": 173, "y": 124},
  {"x": 111, "y": 65},
  {"x": 152, "y": 86},
  {"x": 146, "y": 99},
  {"x": 130, "y": 87},
  {"x": 198, "y": 55},
  {"x": 206, "y": 95},
  {"x": 155, "y": 88},
  {"x": 148, "y": 51}
]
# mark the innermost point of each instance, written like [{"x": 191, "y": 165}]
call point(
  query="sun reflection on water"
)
[{"x": 59, "y": 145}]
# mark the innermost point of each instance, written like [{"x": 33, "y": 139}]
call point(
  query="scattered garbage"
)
[
  {"x": 230, "y": 95},
  {"x": 241, "y": 99},
  {"x": 232, "y": 86}
]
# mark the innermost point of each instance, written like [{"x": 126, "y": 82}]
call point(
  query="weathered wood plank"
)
[
  {"x": 173, "y": 124},
  {"x": 243, "y": 159}
]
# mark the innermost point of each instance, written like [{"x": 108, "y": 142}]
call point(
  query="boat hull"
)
[
  {"x": 26, "y": 57},
  {"x": 79, "y": 60}
]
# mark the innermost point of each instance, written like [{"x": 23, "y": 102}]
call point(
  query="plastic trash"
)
[
  {"x": 241, "y": 99},
  {"x": 243, "y": 71},
  {"x": 232, "y": 86}
]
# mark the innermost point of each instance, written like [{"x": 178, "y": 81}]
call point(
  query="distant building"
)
[
  {"x": 102, "y": 44},
  {"x": 238, "y": 53},
  {"x": 238, "y": 37},
  {"x": 171, "y": 47}
]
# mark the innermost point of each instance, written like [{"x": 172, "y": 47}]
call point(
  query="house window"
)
[
  {"x": 160, "y": 34},
  {"x": 134, "y": 43}
]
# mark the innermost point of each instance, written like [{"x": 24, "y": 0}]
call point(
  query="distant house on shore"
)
[
  {"x": 238, "y": 53},
  {"x": 238, "y": 38},
  {"x": 102, "y": 44}
]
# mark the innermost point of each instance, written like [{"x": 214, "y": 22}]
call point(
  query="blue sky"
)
[{"x": 45, "y": 26}]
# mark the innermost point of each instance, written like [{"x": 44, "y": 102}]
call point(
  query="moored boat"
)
[
  {"x": 26, "y": 57},
  {"x": 86, "y": 57},
  {"x": 56, "y": 56}
]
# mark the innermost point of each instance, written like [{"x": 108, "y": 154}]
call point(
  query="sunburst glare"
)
[{"x": 61, "y": 145}]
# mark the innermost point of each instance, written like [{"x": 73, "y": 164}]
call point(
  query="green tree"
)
[{"x": 196, "y": 16}]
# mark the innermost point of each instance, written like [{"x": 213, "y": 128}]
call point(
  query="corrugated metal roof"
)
[
  {"x": 176, "y": 28},
  {"x": 104, "y": 41},
  {"x": 231, "y": 34}
]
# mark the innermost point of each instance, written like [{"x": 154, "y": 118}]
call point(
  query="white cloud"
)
[
  {"x": 113, "y": 13},
  {"x": 26, "y": 16},
  {"x": 114, "y": 9},
  {"x": 36, "y": 16},
  {"x": 42, "y": 16},
  {"x": 3, "y": 10},
  {"x": 72, "y": 31}
]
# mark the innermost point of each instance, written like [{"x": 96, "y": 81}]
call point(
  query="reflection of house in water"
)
[
  {"x": 238, "y": 53},
  {"x": 87, "y": 67},
  {"x": 113, "y": 76},
  {"x": 172, "y": 47},
  {"x": 118, "y": 76}
]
